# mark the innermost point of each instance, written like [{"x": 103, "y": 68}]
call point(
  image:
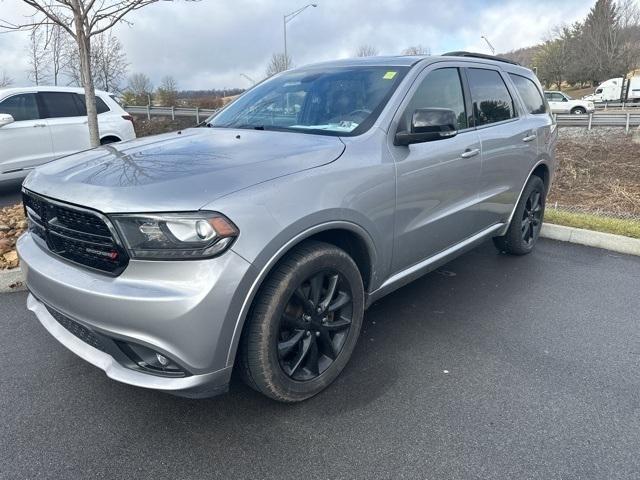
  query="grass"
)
[{"x": 618, "y": 226}]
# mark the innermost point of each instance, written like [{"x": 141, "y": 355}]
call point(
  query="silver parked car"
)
[{"x": 259, "y": 239}]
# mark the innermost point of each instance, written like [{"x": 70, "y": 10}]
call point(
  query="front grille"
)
[
  {"x": 78, "y": 235},
  {"x": 80, "y": 331}
]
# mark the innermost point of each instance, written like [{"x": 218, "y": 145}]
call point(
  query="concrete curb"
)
[
  {"x": 12, "y": 280},
  {"x": 608, "y": 241}
]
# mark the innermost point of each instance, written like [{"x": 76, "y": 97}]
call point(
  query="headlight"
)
[{"x": 174, "y": 236}]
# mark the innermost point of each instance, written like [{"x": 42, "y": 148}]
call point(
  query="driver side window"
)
[{"x": 441, "y": 88}]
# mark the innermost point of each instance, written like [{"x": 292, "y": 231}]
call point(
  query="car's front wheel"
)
[
  {"x": 304, "y": 323},
  {"x": 578, "y": 111}
]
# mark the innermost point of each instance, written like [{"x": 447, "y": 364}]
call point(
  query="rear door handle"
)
[
  {"x": 530, "y": 138},
  {"x": 39, "y": 124},
  {"x": 470, "y": 153}
]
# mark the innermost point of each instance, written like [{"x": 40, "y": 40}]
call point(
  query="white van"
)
[{"x": 38, "y": 124}]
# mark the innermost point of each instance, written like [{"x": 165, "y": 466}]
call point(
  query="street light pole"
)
[
  {"x": 286, "y": 19},
  {"x": 493, "y": 50}
]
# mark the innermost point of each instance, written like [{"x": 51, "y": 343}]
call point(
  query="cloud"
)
[{"x": 208, "y": 44}]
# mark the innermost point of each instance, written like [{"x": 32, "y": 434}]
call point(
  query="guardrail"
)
[
  {"x": 173, "y": 112},
  {"x": 600, "y": 119},
  {"x": 617, "y": 119},
  {"x": 616, "y": 105}
]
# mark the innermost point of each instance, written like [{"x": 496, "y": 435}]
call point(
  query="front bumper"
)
[{"x": 185, "y": 310}]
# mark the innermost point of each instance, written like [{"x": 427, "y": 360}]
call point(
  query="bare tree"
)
[
  {"x": 417, "y": 50},
  {"x": 279, "y": 63},
  {"x": 110, "y": 62},
  {"x": 37, "y": 56},
  {"x": 366, "y": 51},
  {"x": 56, "y": 41},
  {"x": 82, "y": 20},
  {"x": 5, "y": 80},
  {"x": 167, "y": 93},
  {"x": 139, "y": 90}
]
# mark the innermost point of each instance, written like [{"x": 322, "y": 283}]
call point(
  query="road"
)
[{"x": 493, "y": 367}]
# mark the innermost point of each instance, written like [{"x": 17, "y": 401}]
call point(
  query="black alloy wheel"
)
[
  {"x": 314, "y": 326},
  {"x": 532, "y": 218}
]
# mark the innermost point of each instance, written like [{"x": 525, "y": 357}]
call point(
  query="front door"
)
[
  {"x": 26, "y": 142},
  {"x": 437, "y": 181}
]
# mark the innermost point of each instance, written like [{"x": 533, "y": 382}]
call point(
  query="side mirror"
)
[
  {"x": 427, "y": 125},
  {"x": 5, "y": 119}
]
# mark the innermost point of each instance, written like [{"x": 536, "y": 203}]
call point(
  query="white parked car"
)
[
  {"x": 38, "y": 124},
  {"x": 562, "y": 103}
]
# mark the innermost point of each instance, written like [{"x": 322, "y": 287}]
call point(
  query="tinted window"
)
[
  {"x": 440, "y": 89},
  {"x": 100, "y": 105},
  {"x": 529, "y": 93},
  {"x": 60, "y": 104},
  {"x": 21, "y": 107},
  {"x": 491, "y": 99}
]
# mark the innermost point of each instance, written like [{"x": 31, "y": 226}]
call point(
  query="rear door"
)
[
  {"x": 26, "y": 142},
  {"x": 437, "y": 181},
  {"x": 67, "y": 121},
  {"x": 508, "y": 139}
]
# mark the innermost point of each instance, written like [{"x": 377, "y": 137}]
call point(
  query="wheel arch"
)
[
  {"x": 109, "y": 139},
  {"x": 345, "y": 235},
  {"x": 542, "y": 170}
]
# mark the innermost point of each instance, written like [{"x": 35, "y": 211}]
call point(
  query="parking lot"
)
[{"x": 492, "y": 367}]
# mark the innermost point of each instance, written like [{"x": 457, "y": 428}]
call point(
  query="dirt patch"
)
[
  {"x": 12, "y": 225},
  {"x": 598, "y": 172},
  {"x": 158, "y": 124}
]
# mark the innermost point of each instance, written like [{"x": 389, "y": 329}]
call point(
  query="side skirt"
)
[{"x": 410, "y": 274}]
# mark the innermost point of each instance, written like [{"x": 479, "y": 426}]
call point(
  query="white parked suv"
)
[
  {"x": 38, "y": 124},
  {"x": 562, "y": 103}
]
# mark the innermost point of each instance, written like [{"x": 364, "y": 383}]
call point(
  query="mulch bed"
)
[{"x": 12, "y": 225}]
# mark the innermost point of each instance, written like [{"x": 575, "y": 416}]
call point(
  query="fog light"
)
[
  {"x": 162, "y": 360},
  {"x": 150, "y": 360}
]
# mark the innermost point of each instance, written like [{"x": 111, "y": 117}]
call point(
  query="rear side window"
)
[
  {"x": 441, "y": 88},
  {"x": 21, "y": 107},
  {"x": 490, "y": 96},
  {"x": 100, "y": 105},
  {"x": 529, "y": 93},
  {"x": 60, "y": 105}
]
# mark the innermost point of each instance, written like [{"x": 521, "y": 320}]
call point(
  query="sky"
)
[{"x": 210, "y": 43}]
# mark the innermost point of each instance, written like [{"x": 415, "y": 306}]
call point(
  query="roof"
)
[
  {"x": 44, "y": 88},
  {"x": 410, "y": 60}
]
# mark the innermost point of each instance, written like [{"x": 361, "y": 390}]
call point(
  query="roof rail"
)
[{"x": 479, "y": 55}]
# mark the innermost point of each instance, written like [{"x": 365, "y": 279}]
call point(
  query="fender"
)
[
  {"x": 264, "y": 271},
  {"x": 515, "y": 205}
]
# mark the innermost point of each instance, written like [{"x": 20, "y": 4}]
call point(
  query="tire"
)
[
  {"x": 578, "y": 111},
  {"x": 287, "y": 343},
  {"x": 529, "y": 214}
]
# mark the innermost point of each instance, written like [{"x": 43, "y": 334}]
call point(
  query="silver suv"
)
[{"x": 258, "y": 239}]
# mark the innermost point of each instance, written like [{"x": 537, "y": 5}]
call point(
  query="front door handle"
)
[
  {"x": 470, "y": 153},
  {"x": 530, "y": 138}
]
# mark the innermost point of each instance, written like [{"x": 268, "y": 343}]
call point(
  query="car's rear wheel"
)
[
  {"x": 578, "y": 111},
  {"x": 304, "y": 323},
  {"x": 526, "y": 223}
]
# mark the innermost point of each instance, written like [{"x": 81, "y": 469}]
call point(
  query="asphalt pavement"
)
[{"x": 492, "y": 367}]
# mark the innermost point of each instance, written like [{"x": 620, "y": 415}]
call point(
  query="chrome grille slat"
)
[{"x": 76, "y": 234}]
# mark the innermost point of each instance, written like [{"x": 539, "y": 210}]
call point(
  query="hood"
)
[{"x": 179, "y": 171}]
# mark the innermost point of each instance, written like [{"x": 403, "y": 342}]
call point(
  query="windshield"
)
[{"x": 336, "y": 101}]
